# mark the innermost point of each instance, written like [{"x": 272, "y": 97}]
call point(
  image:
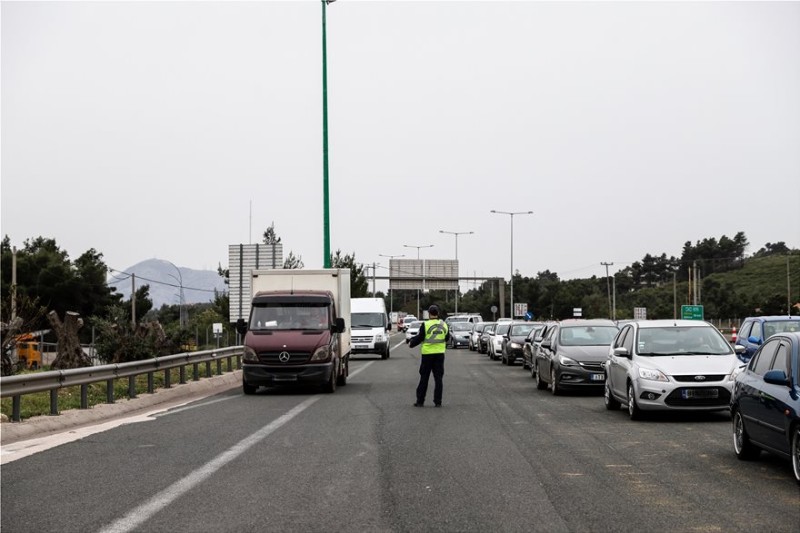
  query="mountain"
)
[{"x": 166, "y": 280}]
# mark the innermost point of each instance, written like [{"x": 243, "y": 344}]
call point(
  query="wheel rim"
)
[
  {"x": 553, "y": 380},
  {"x": 738, "y": 433},
  {"x": 796, "y": 453},
  {"x": 607, "y": 395},
  {"x": 631, "y": 401}
]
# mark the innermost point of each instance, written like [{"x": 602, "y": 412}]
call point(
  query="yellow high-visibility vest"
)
[{"x": 435, "y": 335}]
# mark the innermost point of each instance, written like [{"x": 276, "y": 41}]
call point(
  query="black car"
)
[
  {"x": 483, "y": 341},
  {"x": 765, "y": 405},
  {"x": 532, "y": 343},
  {"x": 514, "y": 340},
  {"x": 459, "y": 334}
]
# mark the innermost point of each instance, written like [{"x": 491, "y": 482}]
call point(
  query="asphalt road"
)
[{"x": 499, "y": 456}]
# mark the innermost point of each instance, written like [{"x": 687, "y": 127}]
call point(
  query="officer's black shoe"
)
[
  {"x": 438, "y": 405},
  {"x": 418, "y": 404}
]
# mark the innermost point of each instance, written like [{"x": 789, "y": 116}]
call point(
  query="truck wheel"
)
[
  {"x": 342, "y": 379},
  {"x": 385, "y": 354},
  {"x": 248, "y": 389},
  {"x": 330, "y": 386}
]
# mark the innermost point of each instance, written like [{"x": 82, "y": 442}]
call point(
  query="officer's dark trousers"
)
[{"x": 431, "y": 363}]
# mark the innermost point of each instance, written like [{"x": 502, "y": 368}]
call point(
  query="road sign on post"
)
[
  {"x": 692, "y": 312},
  {"x": 520, "y": 310},
  {"x": 577, "y": 312},
  {"x": 640, "y": 313}
]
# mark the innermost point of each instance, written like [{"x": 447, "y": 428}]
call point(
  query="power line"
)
[{"x": 161, "y": 282}]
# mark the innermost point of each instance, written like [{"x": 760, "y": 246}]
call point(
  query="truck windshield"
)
[
  {"x": 281, "y": 316},
  {"x": 367, "y": 320}
]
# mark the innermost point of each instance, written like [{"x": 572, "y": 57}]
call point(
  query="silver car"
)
[{"x": 670, "y": 365}]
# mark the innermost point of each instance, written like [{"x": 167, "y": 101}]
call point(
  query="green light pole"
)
[{"x": 326, "y": 218}]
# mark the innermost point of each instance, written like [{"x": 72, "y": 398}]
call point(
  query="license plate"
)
[
  {"x": 358, "y": 345},
  {"x": 598, "y": 377},
  {"x": 285, "y": 378},
  {"x": 688, "y": 394}
]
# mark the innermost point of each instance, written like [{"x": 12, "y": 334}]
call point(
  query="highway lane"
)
[{"x": 499, "y": 456}]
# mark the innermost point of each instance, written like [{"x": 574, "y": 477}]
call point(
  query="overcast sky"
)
[{"x": 147, "y": 129}]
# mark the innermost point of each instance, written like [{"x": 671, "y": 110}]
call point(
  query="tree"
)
[
  {"x": 293, "y": 261},
  {"x": 270, "y": 237},
  {"x": 358, "y": 281}
]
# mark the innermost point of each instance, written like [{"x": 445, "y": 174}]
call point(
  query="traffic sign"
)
[
  {"x": 640, "y": 313},
  {"x": 520, "y": 309},
  {"x": 692, "y": 312},
  {"x": 577, "y": 311},
  {"x": 529, "y": 315}
]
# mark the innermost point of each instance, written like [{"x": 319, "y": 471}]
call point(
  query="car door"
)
[
  {"x": 775, "y": 400},
  {"x": 546, "y": 353},
  {"x": 618, "y": 365},
  {"x": 750, "y": 395}
]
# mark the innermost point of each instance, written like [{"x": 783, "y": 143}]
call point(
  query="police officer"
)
[{"x": 433, "y": 335}]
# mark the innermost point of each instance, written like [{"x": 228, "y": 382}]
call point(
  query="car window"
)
[
  {"x": 780, "y": 326},
  {"x": 587, "y": 335},
  {"x": 765, "y": 355},
  {"x": 502, "y": 329},
  {"x": 744, "y": 331},
  {"x": 781, "y": 361},
  {"x": 620, "y": 338},
  {"x": 550, "y": 334},
  {"x": 756, "y": 330},
  {"x": 628, "y": 342}
]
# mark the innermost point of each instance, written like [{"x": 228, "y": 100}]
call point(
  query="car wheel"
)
[
  {"x": 342, "y": 379},
  {"x": 744, "y": 449},
  {"x": 612, "y": 404},
  {"x": 525, "y": 365},
  {"x": 503, "y": 358},
  {"x": 796, "y": 452},
  {"x": 248, "y": 389},
  {"x": 540, "y": 383},
  {"x": 330, "y": 386},
  {"x": 554, "y": 382},
  {"x": 633, "y": 410}
]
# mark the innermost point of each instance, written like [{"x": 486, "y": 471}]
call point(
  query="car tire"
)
[
  {"x": 742, "y": 447},
  {"x": 540, "y": 383},
  {"x": 342, "y": 379},
  {"x": 248, "y": 389},
  {"x": 796, "y": 452},
  {"x": 612, "y": 404},
  {"x": 330, "y": 386},
  {"x": 634, "y": 412},
  {"x": 503, "y": 358},
  {"x": 554, "y": 388}
]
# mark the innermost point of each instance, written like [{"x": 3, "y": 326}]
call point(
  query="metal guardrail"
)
[{"x": 16, "y": 386}]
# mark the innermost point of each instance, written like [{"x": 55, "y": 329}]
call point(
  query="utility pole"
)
[
  {"x": 423, "y": 270},
  {"x": 456, "y": 234},
  {"x": 13, "y": 283},
  {"x": 674, "y": 296},
  {"x": 391, "y": 294},
  {"x": 788, "y": 289},
  {"x": 608, "y": 287},
  {"x": 133, "y": 300},
  {"x": 373, "y": 279},
  {"x": 511, "y": 281}
]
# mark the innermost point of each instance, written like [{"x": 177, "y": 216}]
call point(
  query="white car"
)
[
  {"x": 413, "y": 329},
  {"x": 407, "y": 321},
  {"x": 669, "y": 365},
  {"x": 496, "y": 340}
]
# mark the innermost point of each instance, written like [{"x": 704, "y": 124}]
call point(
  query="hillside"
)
[{"x": 165, "y": 282}]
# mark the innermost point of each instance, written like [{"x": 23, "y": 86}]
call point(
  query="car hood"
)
[
  {"x": 519, "y": 339},
  {"x": 295, "y": 341},
  {"x": 592, "y": 354},
  {"x": 691, "y": 364}
]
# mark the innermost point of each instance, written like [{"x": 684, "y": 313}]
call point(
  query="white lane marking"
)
[
  {"x": 147, "y": 510},
  {"x": 194, "y": 406}
]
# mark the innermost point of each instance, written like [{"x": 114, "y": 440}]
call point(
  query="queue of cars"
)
[{"x": 644, "y": 366}]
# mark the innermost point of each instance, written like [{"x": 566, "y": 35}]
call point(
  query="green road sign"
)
[{"x": 692, "y": 312}]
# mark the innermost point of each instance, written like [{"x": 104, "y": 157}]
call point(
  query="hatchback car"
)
[
  {"x": 514, "y": 340},
  {"x": 475, "y": 335},
  {"x": 669, "y": 365},
  {"x": 406, "y": 321},
  {"x": 572, "y": 354},
  {"x": 495, "y": 342},
  {"x": 765, "y": 407},
  {"x": 532, "y": 343},
  {"x": 755, "y": 330},
  {"x": 412, "y": 329},
  {"x": 483, "y": 341},
  {"x": 459, "y": 334}
]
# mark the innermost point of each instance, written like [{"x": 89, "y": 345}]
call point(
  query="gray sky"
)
[{"x": 145, "y": 129}]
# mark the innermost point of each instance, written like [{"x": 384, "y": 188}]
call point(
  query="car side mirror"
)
[
  {"x": 739, "y": 349},
  {"x": 622, "y": 352},
  {"x": 754, "y": 340},
  {"x": 777, "y": 377},
  {"x": 547, "y": 344},
  {"x": 338, "y": 326},
  {"x": 241, "y": 327}
]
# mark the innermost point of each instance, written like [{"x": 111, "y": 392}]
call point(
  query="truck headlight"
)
[
  {"x": 249, "y": 355},
  {"x": 380, "y": 338},
  {"x": 652, "y": 375},
  {"x": 323, "y": 353}
]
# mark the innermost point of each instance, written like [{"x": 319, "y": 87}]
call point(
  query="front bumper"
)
[
  {"x": 280, "y": 375},
  {"x": 661, "y": 396},
  {"x": 580, "y": 377},
  {"x": 458, "y": 341},
  {"x": 372, "y": 347}
]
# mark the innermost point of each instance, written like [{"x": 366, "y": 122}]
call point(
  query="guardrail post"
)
[
  {"x": 85, "y": 396},
  {"x": 109, "y": 391},
  {"x": 183, "y": 375},
  {"x": 230, "y": 363},
  {"x": 53, "y": 402},
  {"x": 219, "y": 367},
  {"x": 131, "y": 386},
  {"x": 16, "y": 408},
  {"x": 239, "y": 362},
  {"x": 196, "y": 372},
  {"x": 208, "y": 369},
  {"x": 150, "y": 385},
  {"x": 167, "y": 379}
]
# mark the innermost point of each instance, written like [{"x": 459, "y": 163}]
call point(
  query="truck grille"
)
[
  {"x": 274, "y": 358},
  {"x": 367, "y": 338}
]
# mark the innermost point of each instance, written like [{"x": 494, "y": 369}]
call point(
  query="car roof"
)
[
  {"x": 772, "y": 318},
  {"x": 587, "y": 322},
  {"x": 664, "y": 323}
]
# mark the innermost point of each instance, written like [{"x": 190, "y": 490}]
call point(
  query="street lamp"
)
[
  {"x": 326, "y": 223},
  {"x": 391, "y": 296},
  {"x": 456, "y": 234},
  {"x": 511, "y": 214},
  {"x": 423, "y": 270}
]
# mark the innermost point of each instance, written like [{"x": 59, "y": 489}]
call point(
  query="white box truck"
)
[
  {"x": 297, "y": 331},
  {"x": 370, "y": 326}
]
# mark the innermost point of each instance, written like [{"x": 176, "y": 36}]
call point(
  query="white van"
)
[{"x": 369, "y": 326}]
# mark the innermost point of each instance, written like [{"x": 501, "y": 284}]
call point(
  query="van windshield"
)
[
  {"x": 282, "y": 316},
  {"x": 367, "y": 320}
]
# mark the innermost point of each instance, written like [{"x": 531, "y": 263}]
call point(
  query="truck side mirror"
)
[
  {"x": 241, "y": 327},
  {"x": 338, "y": 326}
]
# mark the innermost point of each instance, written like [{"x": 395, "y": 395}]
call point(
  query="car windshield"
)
[
  {"x": 367, "y": 320},
  {"x": 780, "y": 326},
  {"x": 586, "y": 335},
  {"x": 502, "y": 329},
  {"x": 285, "y": 316},
  {"x": 521, "y": 330},
  {"x": 489, "y": 329},
  {"x": 479, "y": 327},
  {"x": 460, "y": 326},
  {"x": 694, "y": 340}
]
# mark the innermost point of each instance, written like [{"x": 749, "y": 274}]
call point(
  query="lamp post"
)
[
  {"x": 511, "y": 214},
  {"x": 423, "y": 270},
  {"x": 179, "y": 279},
  {"x": 608, "y": 286},
  {"x": 326, "y": 225},
  {"x": 391, "y": 296},
  {"x": 456, "y": 234}
]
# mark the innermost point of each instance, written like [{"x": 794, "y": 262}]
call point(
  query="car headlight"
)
[
  {"x": 249, "y": 355},
  {"x": 566, "y": 361},
  {"x": 652, "y": 375},
  {"x": 515, "y": 345},
  {"x": 379, "y": 338},
  {"x": 323, "y": 353}
]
